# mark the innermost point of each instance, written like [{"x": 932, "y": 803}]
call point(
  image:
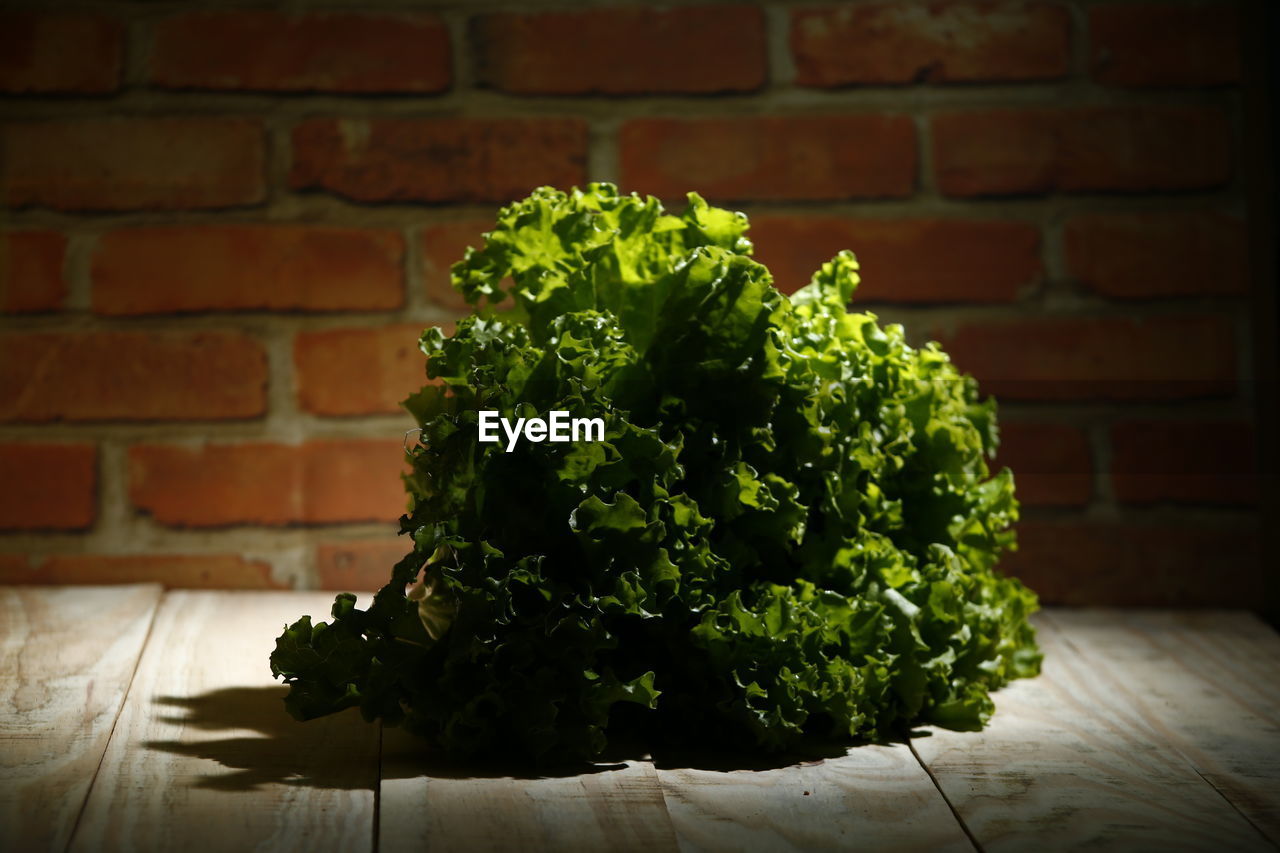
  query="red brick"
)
[
  {"x": 1184, "y": 462},
  {"x": 1116, "y": 358},
  {"x": 169, "y": 269},
  {"x": 438, "y": 159},
  {"x": 59, "y": 53},
  {"x": 363, "y": 566},
  {"x": 133, "y": 163},
  {"x": 175, "y": 571},
  {"x": 320, "y": 482},
  {"x": 48, "y": 486},
  {"x": 443, "y": 246},
  {"x": 358, "y": 371},
  {"x": 131, "y": 376},
  {"x": 31, "y": 271},
  {"x": 1167, "y": 565},
  {"x": 666, "y": 50},
  {"x": 1125, "y": 149},
  {"x": 771, "y": 158},
  {"x": 1157, "y": 44},
  {"x": 946, "y": 42},
  {"x": 1150, "y": 255},
  {"x": 315, "y": 51},
  {"x": 1051, "y": 463},
  {"x": 907, "y": 260},
  {"x": 996, "y": 152}
]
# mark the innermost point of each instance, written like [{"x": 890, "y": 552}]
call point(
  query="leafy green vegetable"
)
[{"x": 789, "y": 529}]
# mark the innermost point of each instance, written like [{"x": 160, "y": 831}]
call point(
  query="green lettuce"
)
[{"x": 790, "y": 529}]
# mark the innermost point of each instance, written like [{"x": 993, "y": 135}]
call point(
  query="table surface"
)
[{"x": 136, "y": 719}]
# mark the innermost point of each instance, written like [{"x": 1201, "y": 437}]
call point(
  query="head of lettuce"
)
[{"x": 788, "y": 530}]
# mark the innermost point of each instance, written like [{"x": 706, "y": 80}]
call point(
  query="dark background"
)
[{"x": 225, "y": 225}]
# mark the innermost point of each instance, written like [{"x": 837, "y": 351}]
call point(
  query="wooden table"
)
[{"x": 134, "y": 719}]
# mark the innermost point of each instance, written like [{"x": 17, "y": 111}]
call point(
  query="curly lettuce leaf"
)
[{"x": 788, "y": 530}]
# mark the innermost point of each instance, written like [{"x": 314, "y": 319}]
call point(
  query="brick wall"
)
[{"x": 224, "y": 227}]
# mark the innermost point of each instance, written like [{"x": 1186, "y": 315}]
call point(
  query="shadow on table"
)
[
  {"x": 726, "y": 761},
  {"x": 268, "y": 746},
  {"x": 339, "y": 751},
  {"x": 343, "y": 751}
]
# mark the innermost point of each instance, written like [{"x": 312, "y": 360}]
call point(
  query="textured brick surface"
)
[
  {"x": 175, "y": 571},
  {"x": 31, "y": 276},
  {"x": 1165, "y": 565},
  {"x": 1124, "y": 149},
  {"x": 168, "y": 269},
  {"x": 438, "y": 159},
  {"x": 361, "y": 566},
  {"x": 358, "y": 371},
  {"x": 1163, "y": 44},
  {"x": 228, "y": 223},
  {"x": 1117, "y": 358},
  {"x": 911, "y": 260},
  {"x": 314, "y": 51},
  {"x": 1152, "y": 255},
  {"x": 319, "y": 482},
  {"x": 48, "y": 486},
  {"x": 950, "y": 42},
  {"x": 59, "y": 53},
  {"x": 131, "y": 376},
  {"x": 1210, "y": 462},
  {"x": 1051, "y": 463},
  {"x": 681, "y": 50},
  {"x": 772, "y": 158},
  {"x": 133, "y": 163}
]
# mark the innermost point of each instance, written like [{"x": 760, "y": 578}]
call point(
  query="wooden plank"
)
[
  {"x": 430, "y": 805},
  {"x": 1069, "y": 762},
  {"x": 872, "y": 798},
  {"x": 1209, "y": 682},
  {"x": 204, "y": 756},
  {"x": 66, "y": 657}
]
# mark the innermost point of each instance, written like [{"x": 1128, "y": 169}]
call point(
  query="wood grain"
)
[
  {"x": 1147, "y": 731},
  {"x": 874, "y": 798},
  {"x": 66, "y": 658},
  {"x": 1070, "y": 761},
  {"x": 205, "y": 758},
  {"x": 427, "y": 805},
  {"x": 1208, "y": 683}
]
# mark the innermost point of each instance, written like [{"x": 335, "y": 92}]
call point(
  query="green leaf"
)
[{"x": 789, "y": 529}]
